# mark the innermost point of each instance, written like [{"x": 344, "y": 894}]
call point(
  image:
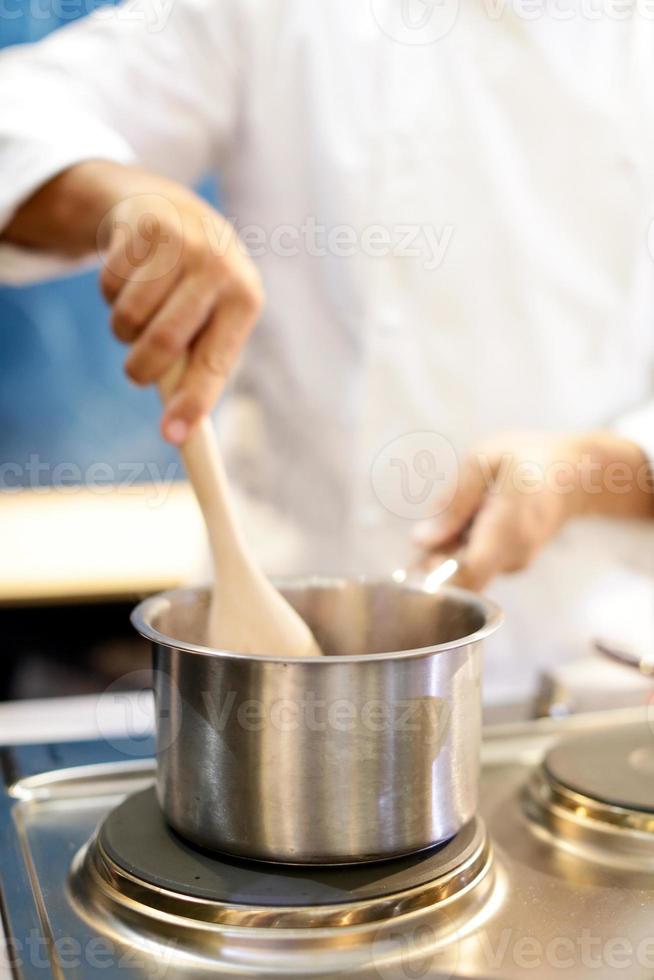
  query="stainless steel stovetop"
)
[{"x": 556, "y": 878}]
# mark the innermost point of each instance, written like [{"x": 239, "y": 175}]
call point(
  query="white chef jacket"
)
[{"x": 521, "y": 147}]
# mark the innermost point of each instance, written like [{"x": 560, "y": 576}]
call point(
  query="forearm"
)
[
  {"x": 613, "y": 478},
  {"x": 65, "y": 214}
]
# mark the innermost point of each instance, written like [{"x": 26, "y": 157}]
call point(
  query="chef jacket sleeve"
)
[
  {"x": 149, "y": 81},
  {"x": 638, "y": 425}
]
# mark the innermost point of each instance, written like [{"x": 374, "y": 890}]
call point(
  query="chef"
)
[{"x": 437, "y": 216}]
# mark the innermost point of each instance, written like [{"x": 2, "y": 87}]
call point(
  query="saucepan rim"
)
[{"x": 145, "y": 611}]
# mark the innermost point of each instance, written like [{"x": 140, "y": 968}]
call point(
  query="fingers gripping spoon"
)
[{"x": 247, "y": 614}]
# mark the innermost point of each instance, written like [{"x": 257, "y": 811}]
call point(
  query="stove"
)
[{"x": 555, "y": 876}]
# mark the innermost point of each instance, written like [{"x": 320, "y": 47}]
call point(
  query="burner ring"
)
[
  {"x": 232, "y": 892},
  {"x": 556, "y": 794},
  {"x": 125, "y": 888},
  {"x": 593, "y": 795}
]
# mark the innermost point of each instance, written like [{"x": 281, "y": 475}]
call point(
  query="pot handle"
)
[{"x": 451, "y": 568}]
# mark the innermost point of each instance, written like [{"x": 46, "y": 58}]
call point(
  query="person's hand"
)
[
  {"x": 173, "y": 270},
  {"x": 179, "y": 282},
  {"x": 515, "y": 493}
]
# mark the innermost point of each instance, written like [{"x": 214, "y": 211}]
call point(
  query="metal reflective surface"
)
[
  {"x": 97, "y": 873},
  {"x": 547, "y": 905},
  {"x": 369, "y": 752},
  {"x": 595, "y": 793}
]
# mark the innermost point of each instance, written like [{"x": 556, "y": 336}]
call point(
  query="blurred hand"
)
[
  {"x": 174, "y": 271},
  {"x": 516, "y": 492},
  {"x": 179, "y": 282}
]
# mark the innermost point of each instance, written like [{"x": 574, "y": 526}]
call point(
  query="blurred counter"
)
[
  {"x": 110, "y": 715},
  {"x": 108, "y": 542}
]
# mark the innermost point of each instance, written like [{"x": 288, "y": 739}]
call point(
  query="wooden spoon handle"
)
[
  {"x": 247, "y": 613},
  {"x": 204, "y": 467}
]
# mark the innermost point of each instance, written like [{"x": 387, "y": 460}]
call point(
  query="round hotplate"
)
[
  {"x": 614, "y": 766},
  {"x": 137, "y": 839}
]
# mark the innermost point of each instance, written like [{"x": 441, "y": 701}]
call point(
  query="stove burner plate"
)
[
  {"x": 614, "y": 767},
  {"x": 137, "y": 839}
]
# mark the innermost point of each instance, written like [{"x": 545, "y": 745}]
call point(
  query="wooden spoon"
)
[{"x": 247, "y": 614}]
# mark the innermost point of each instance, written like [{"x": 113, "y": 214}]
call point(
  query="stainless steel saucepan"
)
[{"x": 369, "y": 752}]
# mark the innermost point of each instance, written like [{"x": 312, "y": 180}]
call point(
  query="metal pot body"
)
[{"x": 361, "y": 755}]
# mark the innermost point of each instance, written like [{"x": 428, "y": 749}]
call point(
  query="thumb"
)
[{"x": 445, "y": 528}]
